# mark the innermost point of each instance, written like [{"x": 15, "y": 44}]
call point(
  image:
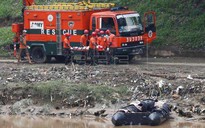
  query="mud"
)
[
  {"x": 179, "y": 81},
  {"x": 81, "y": 122}
]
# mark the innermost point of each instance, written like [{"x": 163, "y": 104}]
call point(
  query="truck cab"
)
[{"x": 130, "y": 33}]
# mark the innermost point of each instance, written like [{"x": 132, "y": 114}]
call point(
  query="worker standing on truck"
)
[
  {"x": 67, "y": 49},
  {"x": 92, "y": 48},
  {"x": 23, "y": 47}
]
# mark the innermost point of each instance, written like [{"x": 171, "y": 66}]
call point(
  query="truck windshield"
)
[{"x": 129, "y": 23}]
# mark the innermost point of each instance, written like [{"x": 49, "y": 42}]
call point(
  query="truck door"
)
[{"x": 149, "y": 26}]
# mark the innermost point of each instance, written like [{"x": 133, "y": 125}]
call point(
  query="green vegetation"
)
[
  {"x": 10, "y": 9},
  {"x": 179, "y": 22},
  {"x": 5, "y": 38},
  {"x": 64, "y": 89}
]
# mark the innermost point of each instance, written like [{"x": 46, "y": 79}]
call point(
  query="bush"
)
[{"x": 5, "y": 36}]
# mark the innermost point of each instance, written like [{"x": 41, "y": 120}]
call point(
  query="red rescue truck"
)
[{"x": 46, "y": 26}]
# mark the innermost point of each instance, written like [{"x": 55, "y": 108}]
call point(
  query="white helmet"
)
[{"x": 24, "y": 31}]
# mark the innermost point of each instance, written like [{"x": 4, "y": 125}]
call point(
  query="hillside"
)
[{"x": 180, "y": 23}]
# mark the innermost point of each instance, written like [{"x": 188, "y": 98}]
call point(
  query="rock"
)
[
  {"x": 94, "y": 73},
  {"x": 179, "y": 90},
  {"x": 189, "y": 77},
  {"x": 202, "y": 100},
  {"x": 99, "y": 113},
  {"x": 161, "y": 83},
  {"x": 19, "y": 106},
  {"x": 31, "y": 110},
  {"x": 61, "y": 114},
  {"x": 52, "y": 114},
  {"x": 45, "y": 110},
  {"x": 196, "y": 109},
  {"x": 202, "y": 112},
  {"x": 185, "y": 114},
  {"x": 10, "y": 79},
  {"x": 175, "y": 96}
]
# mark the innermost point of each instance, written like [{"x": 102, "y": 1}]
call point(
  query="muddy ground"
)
[{"x": 57, "y": 90}]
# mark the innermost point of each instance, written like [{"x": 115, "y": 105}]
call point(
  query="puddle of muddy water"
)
[{"x": 85, "y": 122}]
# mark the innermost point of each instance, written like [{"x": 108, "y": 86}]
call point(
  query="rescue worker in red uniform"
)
[
  {"x": 97, "y": 32},
  {"x": 111, "y": 42},
  {"x": 111, "y": 37},
  {"x": 23, "y": 47},
  {"x": 102, "y": 42},
  {"x": 84, "y": 38},
  {"x": 84, "y": 41},
  {"x": 102, "y": 45},
  {"x": 92, "y": 48},
  {"x": 67, "y": 49}
]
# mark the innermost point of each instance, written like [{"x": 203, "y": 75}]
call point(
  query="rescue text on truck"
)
[{"x": 46, "y": 26}]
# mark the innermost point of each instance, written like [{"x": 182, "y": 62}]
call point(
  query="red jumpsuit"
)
[{"x": 84, "y": 40}]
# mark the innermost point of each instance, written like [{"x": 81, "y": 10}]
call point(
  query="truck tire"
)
[
  {"x": 48, "y": 59},
  {"x": 38, "y": 55}
]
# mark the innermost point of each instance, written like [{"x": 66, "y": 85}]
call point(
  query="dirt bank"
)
[{"x": 53, "y": 89}]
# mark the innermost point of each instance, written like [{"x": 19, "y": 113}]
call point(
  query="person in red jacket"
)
[
  {"x": 84, "y": 41},
  {"x": 102, "y": 42},
  {"x": 111, "y": 42},
  {"x": 23, "y": 47},
  {"x": 97, "y": 32},
  {"x": 111, "y": 37},
  {"x": 102, "y": 46},
  {"x": 67, "y": 49},
  {"x": 92, "y": 47},
  {"x": 84, "y": 38}
]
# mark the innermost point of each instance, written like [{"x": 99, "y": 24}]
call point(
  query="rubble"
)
[{"x": 18, "y": 83}]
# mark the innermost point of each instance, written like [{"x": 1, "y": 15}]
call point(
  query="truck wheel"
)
[
  {"x": 48, "y": 59},
  {"x": 38, "y": 55}
]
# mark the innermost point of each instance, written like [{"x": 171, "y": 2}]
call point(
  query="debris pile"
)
[{"x": 180, "y": 87}]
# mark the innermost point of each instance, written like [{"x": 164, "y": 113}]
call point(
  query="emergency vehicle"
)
[{"x": 46, "y": 26}]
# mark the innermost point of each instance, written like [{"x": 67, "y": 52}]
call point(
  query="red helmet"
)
[
  {"x": 67, "y": 34},
  {"x": 107, "y": 31},
  {"x": 94, "y": 34},
  {"x": 102, "y": 32},
  {"x": 97, "y": 30},
  {"x": 86, "y": 31}
]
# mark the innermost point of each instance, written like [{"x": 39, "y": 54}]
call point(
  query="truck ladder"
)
[
  {"x": 72, "y": 6},
  {"x": 59, "y": 41}
]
